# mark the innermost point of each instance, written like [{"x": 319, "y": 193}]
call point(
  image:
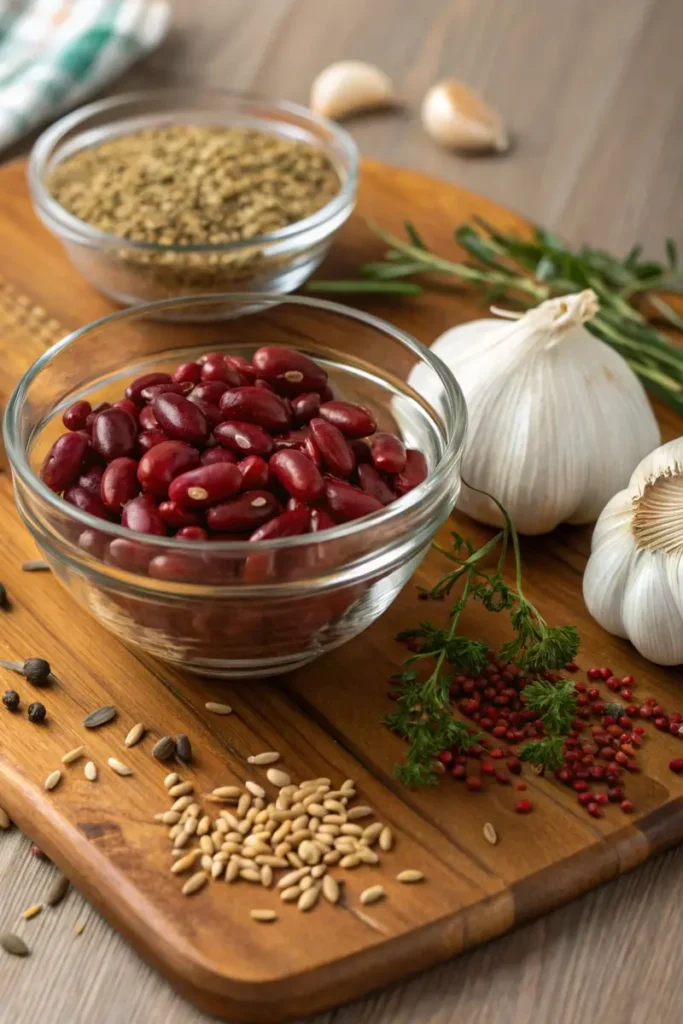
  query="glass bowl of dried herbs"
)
[
  {"x": 171, "y": 193},
  {"x": 230, "y": 603}
]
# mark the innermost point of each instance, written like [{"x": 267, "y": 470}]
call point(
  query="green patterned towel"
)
[{"x": 56, "y": 53}]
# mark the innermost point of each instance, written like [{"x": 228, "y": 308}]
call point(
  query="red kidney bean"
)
[
  {"x": 93, "y": 542},
  {"x": 295, "y": 503},
  {"x": 98, "y": 409},
  {"x": 212, "y": 413},
  {"x": 76, "y": 416},
  {"x": 372, "y": 483},
  {"x": 309, "y": 449},
  {"x": 333, "y": 447},
  {"x": 388, "y": 453},
  {"x": 135, "y": 389},
  {"x": 321, "y": 520},
  {"x": 353, "y": 420},
  {"x": 62, "y": 464},
  {"x": 254, "y": 405},
  {"x": 327, "y": 393},
  {"x": 205, "y": 357},
  {"x": 212, "y": 392},
  {"x": 214, "y": 455},
  {"x": 180, "y": 419},
  {"x": 147, "y": 419},
  {"x": 148, "y": 438},
  {"x": 414, "y": 473},
  {"x": 175, "y": 515},
  {"x": 192, "y": 533},
  {"x": 206, "y": 485},
  {"x": 91, "y": 478},
  {"x": 176, "y": 565},
  {"x": 141, "y": 514},
  {"x": 245, "y": 438},
  {"x": 291, "y": 372},
  {"x": 113, "y": 434},
  {"x": 360, "y": 451},
  {"x": 306, "y": 406},
  {"x": 297, "y": 474},
  {"x": 129, "y": 554},
  {"x": 243, "y": 366},
  {"x": 191, "y": 372},
  {"x": 291, "y": 439},
  {"x": 243, "y": 513},
  {"x": 153, "y": 390},
  {"x": 347, "y": 502},
  {"x": 254, "y": 472},
  {"x": 86, "y": 501},
  {"x": 216, "y": 369},
  {"x": 288, "y": 524},
  {"x": 119, "y": 483},
  {"x": 264, "y": 385},
  {"x": 130, "y": 407},
  {"x": 162, "y": 463}
]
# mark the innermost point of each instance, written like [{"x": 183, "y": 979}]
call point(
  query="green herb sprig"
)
[
  {"x": 522, "y": 272},
  {"x": 423, "y": 715}
]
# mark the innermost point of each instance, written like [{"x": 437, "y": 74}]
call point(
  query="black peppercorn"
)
[
  {"x": 36, "y": 670},
  {"x": 4, "y": 603},
  {"x": 11, "y": 700},
  {"x": 36, "y": 712}
]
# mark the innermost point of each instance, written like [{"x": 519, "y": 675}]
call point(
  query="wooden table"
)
[{"x": 591, "y": 93}]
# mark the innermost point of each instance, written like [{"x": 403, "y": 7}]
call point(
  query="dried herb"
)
[
  {"x": 423, "y": 716},
  {"x": 522, "y": 272}
]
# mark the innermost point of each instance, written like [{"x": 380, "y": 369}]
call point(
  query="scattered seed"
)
[
  {"x": 4, "y": 818},
  {"x": 292, "y": 892},
  {"x": 318, "y": 870},
  {"x": 32, "y": 911},
  {"x": 250, "y": 874},
  {"x": 292, "y": 877},
  {"x": 170, "y": 817},
  {"x": 195, "y": 883},
  {"x": 351, "y": 830},
  {"x": 164, "y": 749},
  {"x": 204, "y": 826},
  {"x": 386, "y": 839},
  {"x": 410, "y": 875},
  {"x": 367, "y": 855},
  {"x": 99, "y": 717},
  {"x": 278, "y": 778},
  {"x": 181, "y": 789},
  {"x": 80, "y": 928},
  {"x": 190, "y": 826},
  {"x": 372, "y": 895},
  {"x": 173, "y": 778},
  {"x": 263, "y": 915},
  {"x": 372, "y": 832},
  {"x": 232, "y": 871},
  {"x": 243, "y": 804},
  {"x": 183, "y": 748},
  {"x": 357, "y": 812},
  {"x": 119, "y": 767},
  {"x": 347, "y": 785},
  {"x": 185, "y": 863},
  {"x": 57, "y": 891},
  {"x": 206, "y": 862},
  {"x": 35, "y": 565},
  {"x": 309, "y": 898},
  {"x": 206, "y": 845},
  {"x": 490, "y": 834},
  {"x": 183, "y": 803},
  {"x": 333, "y": 857},
  {"x": 53, "y": 780},
  {"x": 11, "y": 700},
  {"x": 254, "y": 788},
  {"x": 266, "y": 876},
  {"x": 217, "y": 868},
  {"x": 227, "y": 792},
  {"x": 36, "y": 712},
  {"x": 351, "y": 860},
  {"x": 218, "y": 709},
  {"x": 330, "y": 889},
  {"x": 135, "y": 734},
  {"x": 267, "y": 757},
  {"x": 73, "y": 755},
  {"x": 295, "y": 860},
  {"x": 13, "y": 944},
  {"x": 90, "y": 771}
]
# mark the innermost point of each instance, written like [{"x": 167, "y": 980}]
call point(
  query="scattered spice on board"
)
[
  {"x": 36, "y": 670},
  {"x": 13, "y": 944},
  {"x": 37, "y": 712},
  {"x": 11, "y": 700},
  {"x": 164, "y": 749},
  {"x": 99, "y": 717},
  {"x": 4, "y": 600},
  {"x": 32, "y": 911},
  {"x": 57, "y": 891},
  {"x": 35, "y": 566}
]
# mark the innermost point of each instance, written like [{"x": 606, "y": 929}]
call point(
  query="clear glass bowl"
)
[
  {"x": 135, "y": 272},
  {"x": 236, "y": 609}
]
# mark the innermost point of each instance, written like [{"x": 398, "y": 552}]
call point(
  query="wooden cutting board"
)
[{"x": 325, "y": 719}]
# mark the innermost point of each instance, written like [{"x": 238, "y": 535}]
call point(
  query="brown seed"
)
[
  {"x": 4, "y": 819},
  {"x": 32, "y": 911},
  {"x": 119, "y": 767},
  {"x": 227, "y": 792},
  {"x": 181, "y": 789},
  {"x": 13, "y": 944},
  {"x": 372, "y": 895},
  {"x": 185, "y": 863},
  {"x": 171, "y": 779},
  {"x": 410, "y": 875},
  {"x": 331, "y": 889},
  {"x": 386, "y": 839},
  {"x": 53, "y": 780},
  {"x": 264, "y": 916},
  {"x": 309, "y": 898},
  {"x": 183, "y": 748},
  {"x": 164, "y": 749},
  {"x": 195, "y": 883},
  {"x": 254, "y": 788},
  {"x": 99, "y": 717},
  {"x": 278, "y": 778},
  {"x": 490, "y": 834},
  {"x": 218, "y": 709},
  {"x": 57, "y": 891},
  {"x": 135, "y": 735},
  {"x": 73, "y": 755},
  {"x": 90, "y": 771},
  {"x": 267, "y": 757}
]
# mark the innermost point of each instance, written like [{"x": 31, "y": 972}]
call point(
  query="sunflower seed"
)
[
  {"x": 172, "y": 779},
  {"x": 217, "y": 868},
  {"x": 32, "y": 911},
  {"x": 372, "y": 832},
  {"x": 333, "y": 857},
  {"x": 194, "y": 883},
  {"x": 119, "y": 767},
  {"x": 490, "y": 834},
  {"x": 73, "y": 755},
  {"x": 309, "y": 898},
  {"x": 368, "y": 856},
  {"x": 254, "y": 788},
  {"x": 232, "y": 871},
  {"x": 278, "y": 778},
  {"x": 170, "y": 817},
  {"x": 185, "y": 863},
  {"x": 266, "y": 876},
  {"x": 13, "y": 944},
  {"x": 292, "y": 892},
  {"x": 409, "y": 875},
  {"x": 135, "y": 735},
  {"x": 263, "y": 915},
  {"x": 52, "y": 780},
  {"x": 218, "y": 709},
  {"x": 183, "y": 748},
  {"x": 204, "y": 826},
  {"x": 99, "y": 717},
  {"x": 4, "y": 819},
  {"x": 206, "y": 845},
  {"x": 351, "y": 860},
  {"x": 267, "y": 757},
  {"x": 183, "y": 803},
  {"x": 164, "y": 749},
  {"x": 181, "y": 789},
  {"x": 227, "y": 792},
  {"x": 358, "y": 812},
  {"x": 372, "y": 895},
  {"x": 331, "y": 889},
  {"x": 90, "y": 771},
  {"x": 250, "y": 875}
]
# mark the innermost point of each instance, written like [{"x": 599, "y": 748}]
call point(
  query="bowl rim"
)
[
  {"x": 455, "y": 412},
  {"x": 63, "y": 222}
]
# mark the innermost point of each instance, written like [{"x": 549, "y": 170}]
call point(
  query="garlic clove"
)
[
  {"x": 458, "y": 118},
  {"x": 348, "y": 87},
  {"x": 606, "y": 575},
  {"x": 652, "y": 619}
]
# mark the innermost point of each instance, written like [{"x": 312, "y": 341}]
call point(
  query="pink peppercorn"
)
[
  {"x": 521, "y": 786},
  {"x": 627, "y": 806},
  {"x": 473, "y": 783},
  {"x": 524, "y": 807}
]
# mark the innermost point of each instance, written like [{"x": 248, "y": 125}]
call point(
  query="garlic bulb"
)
[
  {"x": 458, "y": 118},
  {"x": 633, "y": 583},
  {"x": 557, "y": 419},
  {"x": 348, "y": 87}
]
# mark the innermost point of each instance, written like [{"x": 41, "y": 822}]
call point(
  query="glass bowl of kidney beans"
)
[{"x": 237, "y": 499}]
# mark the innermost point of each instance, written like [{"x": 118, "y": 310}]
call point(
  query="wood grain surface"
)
[{"x": 591, "y": 93}]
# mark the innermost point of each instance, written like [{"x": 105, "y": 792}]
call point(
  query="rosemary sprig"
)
[
  {"x": 522, "y": 272},
  {"x": 423, "y": 714}
]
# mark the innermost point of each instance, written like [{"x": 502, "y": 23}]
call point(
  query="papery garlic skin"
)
[
  {"x": 458, "y": 118},
  {"x": 348, "y": 87},
  {"x": 557, "y": 419},
  {"x": 633, "y": 583}
]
